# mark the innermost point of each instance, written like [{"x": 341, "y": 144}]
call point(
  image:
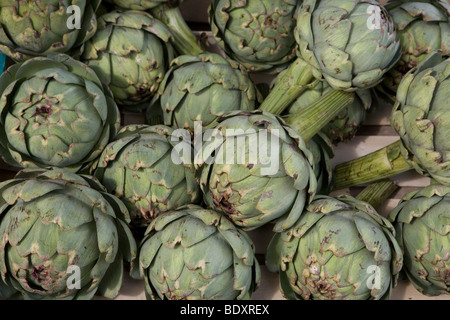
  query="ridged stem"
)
[
  {"x": 382, "y": 164},
  {"x": 311, "y": 120},
  {"x": 377, "y": 193},
  {"x": 288, "y": 87},
  {"x": 185, "y": 41}
]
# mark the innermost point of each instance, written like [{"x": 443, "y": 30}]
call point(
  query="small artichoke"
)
[
  {"x": 130, "y": 52},
  {"x": 203, "y": 88},
  {"x": 54, "y": 112},
  {"x": 422, "y": 222},
  {"x": 63, "y": 236},
  {"x": 346, "y": 124},
  {"x": 142, "y": 168},
  {"x": 196, "y": 254},
  {"x": 351, "y": 44},
  {"x": 423, "y": 26},
  {"x": 339, "y": 249},
  {"x": 257, "y": 34},
  {"x": 256, "y": 169},
  {"x": 39, "y": 28},
  {"x": 419, "y": 117}
]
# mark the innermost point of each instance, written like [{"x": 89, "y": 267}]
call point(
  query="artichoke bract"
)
[
  {"x": 203, "y": 88},
  {"x": 63, "y": 236},
  {"x": 351, "y": 44},
  {"x": 422, "y": 222},
  {"x": 54, "y": 112},
  {"x": 39, "y": 28},
  {"x": 423, "y": 26},
  {"x": 322, "y": 150},
  {"x": 131, "y": 53},
  {"x": 257, "y": 34},
  {"x": 346, "y": 124},
  {"x": 339, "y": 249},
  {"x": 418, "y": 117},
  {"x": 196, "y": 254},
  {"x": 256, "y": 169},
  {"x": 168, "y": 11},
  {"x": 143, "y": 168}
]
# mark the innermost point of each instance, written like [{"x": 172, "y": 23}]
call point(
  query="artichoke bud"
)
[
  {"x": 196, "y": 254},
  {"x": 63, "y": 237},
  {"x": 147, "y": 169},
  {"x": 423, "y": 231}
]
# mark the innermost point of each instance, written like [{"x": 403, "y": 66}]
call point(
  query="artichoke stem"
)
[
  {"x": 184, "y": 40},
  {"x": 297, "y": 78},
  {"x": 377, "y": 193},
  {"x": 382, "y": 164},
  {"x": 311, "y": 120}
]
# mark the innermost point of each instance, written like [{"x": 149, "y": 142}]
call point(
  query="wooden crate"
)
[{"x": 375, "y": 133}]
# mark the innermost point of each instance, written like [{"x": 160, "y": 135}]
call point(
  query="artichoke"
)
[
  {"x": 202, "y": 88},
  {"x": 253, "y": 191},
  {"x": 196, "y": 254},
  {"x": 340, "y": 248},
  {"x": 63, "y": 236},
  {"x": 257, "y": 34},
  {"x": 142, "y": 169},
  {"x": 38, "y": 28},
  {"x": 346, "y": 124},
  {"x": 351, "y": 44},
  {"x": 423, "y": 100},
  {"x": 54, "y": 112},
  {"x": 422, "y": 222},
  {"x": 423, "y": 26},
  {"x": 167, "y": 11},
  {"x": 130, "y": 53}
]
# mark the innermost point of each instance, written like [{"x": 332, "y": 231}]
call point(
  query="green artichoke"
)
[
  {"x": 141, "y": 167},
  {"x": 54, "y": 112},
  {"x": 130, "y": 53},
  {"x": 257, "y": 34},
  {"x": 340, "y": 248},
  {"x": 423, "y": 26},
  {"x": 419, "y": 117},
  {"x": 346, "y": 124},
  {"x": 268, "y": 176},
  {"x": 422, "y": 222},
  {"x": 351, "y": 44},
  {"x": 39, "y": 28},
  {"x": 196, "y": 254},
  {"x": 202, "y": 88},
  {"x": 168, "y": 12},
  {"x": 63, "y": 236}
]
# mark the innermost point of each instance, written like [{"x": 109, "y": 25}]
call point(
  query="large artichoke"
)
[
  {"x": 346, "y": 124},
  {"x": 419, "y": 117},
  {"x": 257, "y": 34},
  {"x": 340, "y": 248},
  {"x": 142, "y": 168},
  {"x": 422, "y": 222},
  {"x": 351, "y": 44},
  {"x": 131, "y": 53},
  {"x": 195, "y": 253},
  {"x": 42, "y": 27},
  {"x": 423, "y": 26},
  {"x": 267, "y": 176},
  {"x": 168, "y": 11},
  {"x": 202, "y": 88},
  {"x": 63, "y": 236},
  {"x": 54, "y": 112}
]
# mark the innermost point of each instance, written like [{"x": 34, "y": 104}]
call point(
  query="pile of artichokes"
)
[{"x": 229, "y": 134}]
